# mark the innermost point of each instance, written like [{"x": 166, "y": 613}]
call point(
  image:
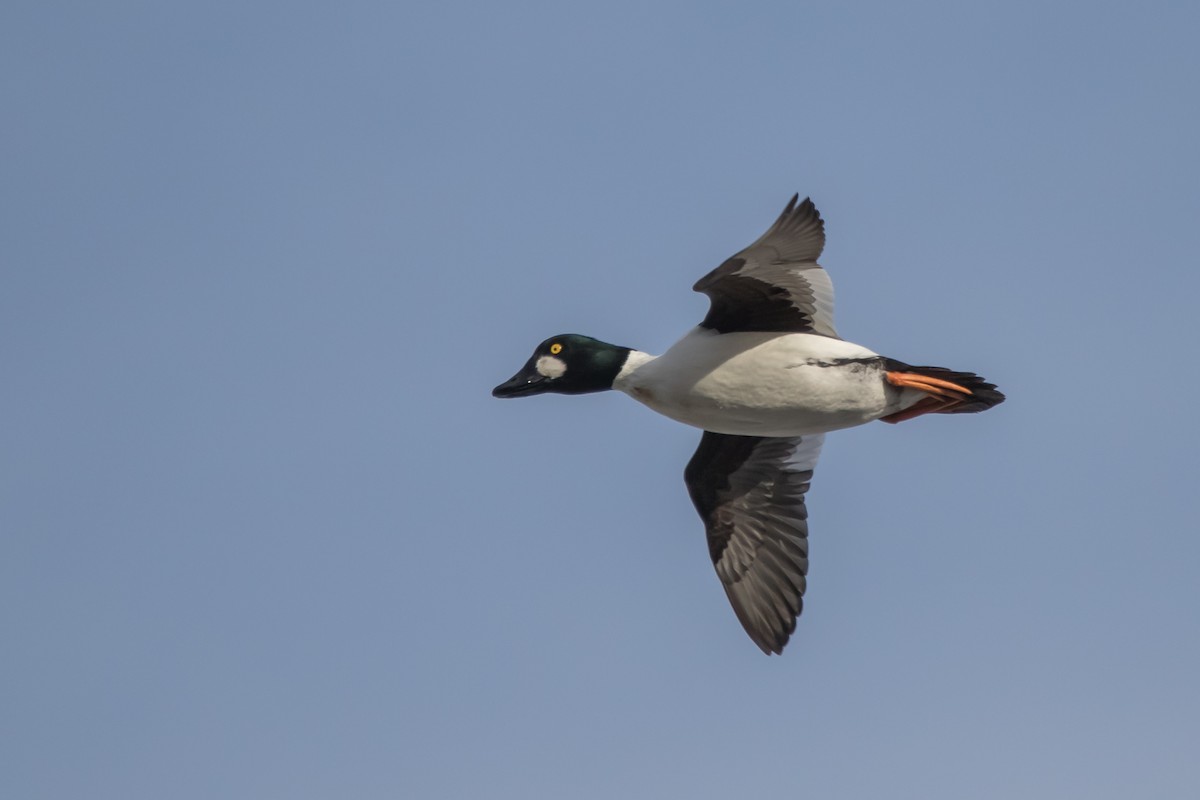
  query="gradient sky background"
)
[{"x": 265, "y": 534}]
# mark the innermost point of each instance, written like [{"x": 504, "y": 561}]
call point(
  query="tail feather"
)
[{"x": 983, "y": 396}]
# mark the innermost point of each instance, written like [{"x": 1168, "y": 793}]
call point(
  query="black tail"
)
[{"x": 983, "y": 396}]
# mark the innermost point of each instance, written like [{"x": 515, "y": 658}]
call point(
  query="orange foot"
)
[
  {"x": 941, "y": 395},
  {"x": 934, "y": 386},
  {"x": 926, "y": 405}
]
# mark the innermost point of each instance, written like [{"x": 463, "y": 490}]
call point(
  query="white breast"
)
[{"x": 760, "y": 384}]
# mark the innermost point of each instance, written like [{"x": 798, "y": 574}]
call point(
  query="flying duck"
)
[{"x": 765, "y": 376}]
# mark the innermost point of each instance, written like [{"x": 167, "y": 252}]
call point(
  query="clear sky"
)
[{"x": 265, "y": 534}]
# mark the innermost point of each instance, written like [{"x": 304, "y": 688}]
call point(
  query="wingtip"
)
[
  {"x": 766, "y": 635},
  {"x": 772, "y": 647},
  {"x": 798, "y": 209}
]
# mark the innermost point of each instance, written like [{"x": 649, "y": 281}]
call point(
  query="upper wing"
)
[
  {"x": 749, "y": 491},
  {"x": 776, "y": 283}
]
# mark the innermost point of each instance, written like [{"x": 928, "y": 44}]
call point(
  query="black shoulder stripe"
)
[{"x": 744, "y": 303}]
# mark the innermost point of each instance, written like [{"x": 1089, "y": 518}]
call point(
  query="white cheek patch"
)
[{"x": 551, "y": 367}]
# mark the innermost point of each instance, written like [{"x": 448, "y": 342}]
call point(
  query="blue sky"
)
[{"x": 264, "y": 533}]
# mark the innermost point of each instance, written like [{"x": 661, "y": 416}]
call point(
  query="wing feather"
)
[
  {"x": 775, "y": 284},
  {"x": 749, "y": 491}
]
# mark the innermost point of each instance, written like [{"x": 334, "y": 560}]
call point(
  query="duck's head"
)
[{"x": 567, "y": 364}]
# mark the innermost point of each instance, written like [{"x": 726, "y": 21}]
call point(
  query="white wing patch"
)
[
  {"x": 804, "y": 457},
  {"x": 822, "y": 292}
]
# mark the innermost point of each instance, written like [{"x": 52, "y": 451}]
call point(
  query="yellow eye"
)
[{"x": 555, "y": 349}]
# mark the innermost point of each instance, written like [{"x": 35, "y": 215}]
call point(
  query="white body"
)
[{"x": 762, "y": 384}]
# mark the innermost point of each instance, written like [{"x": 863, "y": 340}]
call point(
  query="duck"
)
[{"x": 765, "y": 376}]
